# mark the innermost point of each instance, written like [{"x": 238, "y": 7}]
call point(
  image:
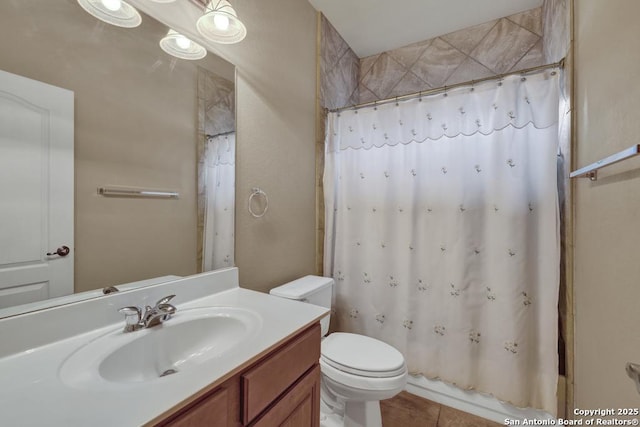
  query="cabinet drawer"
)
[{"x": 263, "y": 384}]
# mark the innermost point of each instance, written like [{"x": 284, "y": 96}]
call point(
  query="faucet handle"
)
[
  {"x": 132, "y": 318},
  {"x": 165, "y": 300},
  {"x": 168, "y": 310}
]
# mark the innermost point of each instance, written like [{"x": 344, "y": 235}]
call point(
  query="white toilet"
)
[{"x": 357, "y": 371}]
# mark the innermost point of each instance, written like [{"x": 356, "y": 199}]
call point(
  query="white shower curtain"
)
[
  {"x": 442, "y": 233},
  {"x": 219, "y": 163}
]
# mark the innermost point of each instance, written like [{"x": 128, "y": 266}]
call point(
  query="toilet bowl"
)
[{"x": 356, "y": 371}]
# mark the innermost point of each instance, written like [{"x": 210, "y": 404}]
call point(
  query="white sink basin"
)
[{"x": 192, "y": 337}]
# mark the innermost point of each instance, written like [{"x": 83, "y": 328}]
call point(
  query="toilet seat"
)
[{"x": 362, "y": 356}]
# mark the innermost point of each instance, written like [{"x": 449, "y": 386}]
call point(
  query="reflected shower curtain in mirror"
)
[
  {"x": 442, "y": 233},
  {"x": 219, "y": 166}
]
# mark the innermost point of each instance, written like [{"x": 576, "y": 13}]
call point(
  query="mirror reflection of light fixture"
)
[
  {"x": 114, "y": 12},
  {"x": 177, "y": 45},
  {"x": 220, "y": 23}
]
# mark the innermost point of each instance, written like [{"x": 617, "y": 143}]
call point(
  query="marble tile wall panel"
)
[
  {"x": 467, "y": 39},
  {"x": 533, "y": 58},
  {"x": 366, "y": 64},
  {"x": 556, "y": 29},
  {"x": 216, "y": 115},
  {"x": 437, "y": 63},
  {"x": 408, "y": 55},
  {"x": 530, "y": 19},
  {"x": 508, "y": 44},
  {"x": 385, "y": 73},
  {"x": 470, "y": 69},
  {"x": 339, "y": 85},
  {"x": 495, "y": 53},
  {"x": 219, "y": 100},
  {"x": 556, "y": 24},
  {"x": 339, "y": 69}
]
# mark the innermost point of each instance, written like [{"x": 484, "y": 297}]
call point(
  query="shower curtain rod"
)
[
  {"x": 559, "y": 64},
  {"x": 220, "y": 134}
]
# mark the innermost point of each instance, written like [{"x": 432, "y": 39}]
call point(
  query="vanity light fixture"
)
[
  {"x": 181, "y": 47},
  {"x": 114, "y": 12},
  {"x": 220, "y": 23}
]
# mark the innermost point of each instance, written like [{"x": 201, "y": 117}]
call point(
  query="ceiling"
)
[{"x": 374, "y": 26}]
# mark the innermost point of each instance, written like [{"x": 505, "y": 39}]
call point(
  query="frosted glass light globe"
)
[
  {"x": 177, "y": 45},
  {"x": 221, "y": 22},
  {"x": 112, "y": 5},
  {"x": 183, "y": 42}
]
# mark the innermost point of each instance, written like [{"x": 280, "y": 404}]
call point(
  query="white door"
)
[{"x": 36, "y": 190}]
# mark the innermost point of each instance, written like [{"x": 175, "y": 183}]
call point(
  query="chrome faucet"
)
[{"x": 135, "y": 318}]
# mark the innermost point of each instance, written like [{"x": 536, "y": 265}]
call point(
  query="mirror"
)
[{"x": 141, "y": 119}]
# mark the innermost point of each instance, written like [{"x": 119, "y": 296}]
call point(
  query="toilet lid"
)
[{"x": 362, "y": 355}]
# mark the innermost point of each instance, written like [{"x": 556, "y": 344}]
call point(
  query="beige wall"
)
[
  {"x": 607, "y": 259},
  {"x": 276, "y": 73},
  {"x": 276, "y": 88},
  {"x": 135, "y": 125}
]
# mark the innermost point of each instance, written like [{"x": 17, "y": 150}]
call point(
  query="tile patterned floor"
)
[{"x": 408, "y": 410}]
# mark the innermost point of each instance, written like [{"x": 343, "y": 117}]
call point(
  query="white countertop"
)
[{"x": 32, "y": 392}]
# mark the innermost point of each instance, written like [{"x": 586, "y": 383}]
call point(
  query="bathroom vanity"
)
[
  {"x": 228, "y": 357},
  {"x": 281, "y": 389}
]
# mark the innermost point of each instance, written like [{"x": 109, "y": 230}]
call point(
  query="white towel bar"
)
[
  {"x": 591, "y": 171},
  {"x": 113, "y": 191}
]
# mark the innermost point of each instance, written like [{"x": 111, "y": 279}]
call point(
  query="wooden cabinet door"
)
[
  {"x": 209, "y": 412},
  {"x": 276, "y": 373},
  {"x": 301, "y": 416},
  {"x": 298, "y": 407},
  {"x": 282, "y": 389}
]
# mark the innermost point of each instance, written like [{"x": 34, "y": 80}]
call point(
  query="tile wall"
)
[
  {"x": 216, "y": 115},
  {"x": 339, "y": 69},
  {"x": 556, "y": 22},
  {"x": 501, "y": 46},
  {"x": 556, "y": 29},
  {"x": 339, "y": 73},
  {"x": 527, "y": 39}
]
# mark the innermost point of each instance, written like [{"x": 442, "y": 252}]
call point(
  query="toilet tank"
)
[{"x": 315, "y": 290}]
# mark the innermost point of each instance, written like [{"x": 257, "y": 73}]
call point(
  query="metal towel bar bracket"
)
[{"x": 591, "y": 171}]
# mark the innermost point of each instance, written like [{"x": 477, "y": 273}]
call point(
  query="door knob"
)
[{"x": 61, "y": 251}]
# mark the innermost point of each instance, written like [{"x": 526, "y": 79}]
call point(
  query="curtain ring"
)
[
  {"x": 397, "y": 104},
  {"x": 375, "y": 105},
  {"x": 258, "y": 192},
  {"x": 420, "y": 97}
]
